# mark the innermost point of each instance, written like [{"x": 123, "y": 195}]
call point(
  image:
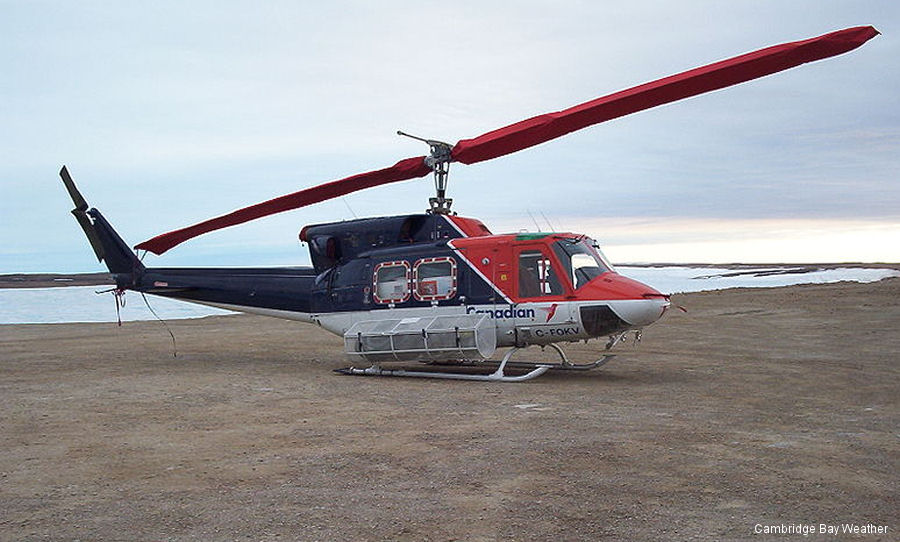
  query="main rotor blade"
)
[
  {"x": 409, "y": 168},
  {"x": 739, "y": 69},
  {"x": 542, "y": 128}
]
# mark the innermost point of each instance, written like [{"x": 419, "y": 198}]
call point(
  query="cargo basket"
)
[{"x": 431, "y": 338}]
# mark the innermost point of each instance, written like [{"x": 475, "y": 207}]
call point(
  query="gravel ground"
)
[{"x": 756, "y": 410}]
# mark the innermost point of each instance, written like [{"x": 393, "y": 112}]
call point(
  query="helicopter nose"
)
[
  {"x": 633, "y": 304},
  {"x": 641, "y": 312},
  {"x": 641, "y": 305}
]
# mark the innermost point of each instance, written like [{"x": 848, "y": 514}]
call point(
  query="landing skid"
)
[{"x": 534, "y": 369}]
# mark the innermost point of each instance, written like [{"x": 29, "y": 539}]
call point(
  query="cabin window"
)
[
  {"x": 536, "y": 275},
  {"x": 391, "y": 280},
  {"x": 434, "y": 279}
]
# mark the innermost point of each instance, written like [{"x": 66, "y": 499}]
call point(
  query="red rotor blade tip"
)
[{"x": 739, "y": 69}]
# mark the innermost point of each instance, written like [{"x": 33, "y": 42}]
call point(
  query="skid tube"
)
[{"x": 536, "y": 369}]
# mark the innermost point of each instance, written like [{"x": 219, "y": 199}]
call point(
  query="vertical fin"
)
[{"x": 107, "y": 244}]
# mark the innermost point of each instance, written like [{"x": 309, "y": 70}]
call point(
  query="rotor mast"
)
[{"x": 439, "y": 162}]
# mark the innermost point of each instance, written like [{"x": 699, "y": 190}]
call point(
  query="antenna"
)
[
  {"x": 548, "y": 221},
  {"x": 348, "y": 207},
  {"x": 439, "y": 162},
  {"x": 533, "y": 220}
]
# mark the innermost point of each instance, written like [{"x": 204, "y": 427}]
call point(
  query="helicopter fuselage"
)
[{"x": 531, "y": 288}]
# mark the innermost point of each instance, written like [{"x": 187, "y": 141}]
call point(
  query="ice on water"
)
[{"x": 671, "y": 280}]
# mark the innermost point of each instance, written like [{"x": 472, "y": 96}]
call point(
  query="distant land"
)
[{"x": 50, "y": 280}]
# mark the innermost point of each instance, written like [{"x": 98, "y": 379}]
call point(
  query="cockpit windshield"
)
[{"x": 582, "y": 259}]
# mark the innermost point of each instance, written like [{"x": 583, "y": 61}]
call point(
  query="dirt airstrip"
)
[{"x": 758, "y": 409}]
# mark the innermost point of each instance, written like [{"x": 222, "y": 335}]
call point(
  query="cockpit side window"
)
[
  {"x": 581, "y": 260},
  {"x": 536, "y": 275}
]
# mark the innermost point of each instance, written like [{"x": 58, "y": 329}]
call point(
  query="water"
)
[{"x": 82, "y": 304}]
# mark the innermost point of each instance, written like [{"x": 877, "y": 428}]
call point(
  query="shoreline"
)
[
  {"x": 55, "y": 280},
  {"x": 62, "y": 280}
]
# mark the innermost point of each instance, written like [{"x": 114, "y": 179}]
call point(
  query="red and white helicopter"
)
[{"x": 436, "y": 287}]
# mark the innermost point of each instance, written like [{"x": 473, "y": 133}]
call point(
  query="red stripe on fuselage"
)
[{"x": 470, "y": 227}]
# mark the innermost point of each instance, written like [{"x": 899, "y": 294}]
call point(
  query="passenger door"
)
[{"x": 536, "y": 275}]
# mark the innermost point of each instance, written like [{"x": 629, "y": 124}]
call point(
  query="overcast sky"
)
[{"x": 168, "y": 113}]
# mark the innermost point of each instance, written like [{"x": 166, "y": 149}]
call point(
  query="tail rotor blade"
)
[
  {"x": 80, "y": 214},
  {"x": 77, "y": 198}
]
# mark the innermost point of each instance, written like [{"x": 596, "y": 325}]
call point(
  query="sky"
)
[{"x": 168, "y": 113}]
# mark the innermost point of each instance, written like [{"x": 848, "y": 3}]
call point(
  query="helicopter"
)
[{"x": 438, "y": 288}]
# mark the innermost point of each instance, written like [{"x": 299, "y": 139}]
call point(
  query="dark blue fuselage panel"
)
[{"x": 286, "y": 288}]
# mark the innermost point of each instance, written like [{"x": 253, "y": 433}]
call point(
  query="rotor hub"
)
[{"x": 439, "y": 158}]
